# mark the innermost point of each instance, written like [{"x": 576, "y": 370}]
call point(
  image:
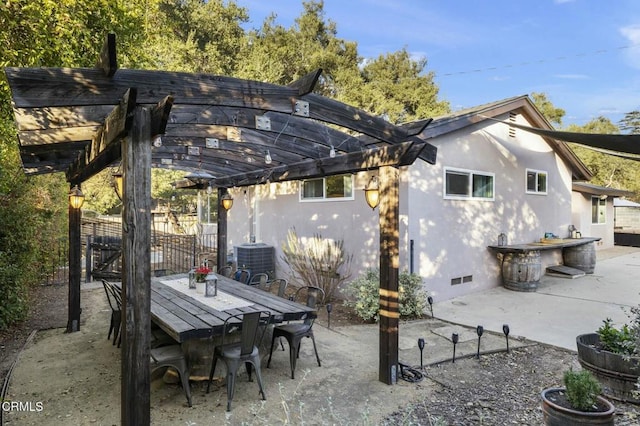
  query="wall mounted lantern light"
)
[
  {"x": 372, "y": 193},
  {"x": 76, "y": 197},
  {"x": 226, "y": 201}
]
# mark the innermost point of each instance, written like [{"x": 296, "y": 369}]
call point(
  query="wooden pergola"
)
[{"x": 80, "y": 121}]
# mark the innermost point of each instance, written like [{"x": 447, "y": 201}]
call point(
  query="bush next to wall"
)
[{"x": 363, "y": 295}]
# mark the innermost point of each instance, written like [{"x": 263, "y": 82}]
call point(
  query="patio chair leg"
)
[
  {"x": 273, "y": 339},
  {"x": 213, "y": 369},
  {"x": 315, "y": 349}
]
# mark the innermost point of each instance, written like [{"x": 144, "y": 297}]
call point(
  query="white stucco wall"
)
[
  {"x": 270, "y": 211},
  {"x": 581, "y": 216},
  {"x": 450, "y": 237}
]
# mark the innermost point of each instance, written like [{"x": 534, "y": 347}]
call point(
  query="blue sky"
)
[{"x": 583, "y": 54}]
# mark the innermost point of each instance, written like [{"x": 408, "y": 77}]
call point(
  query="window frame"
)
[
  {"x": 324, "y": 197},
  {"x": 470, "y": 174},
  {"x": 537, "y": 174},
  {"x": 600, "y": 207}
]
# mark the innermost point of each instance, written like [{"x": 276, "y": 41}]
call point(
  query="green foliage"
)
[
  {"x": 551, "y": 113},
  {"x": 582, "y": 389},
  {"x": 317, "y": 261},
  {"x": 363, "y": 295},
  {"x": 617, "y": 340}
]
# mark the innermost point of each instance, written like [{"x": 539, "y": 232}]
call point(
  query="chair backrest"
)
[
  {"x": 259, "y": 280},
  {"x": 226, "y": 271},
  {"x": 113, "y": 295},
  {"x": 281, "y": 283},
  {"x": 252, "y": 326},
  {"x": 313, "y": 295},
  {"x": 243, "y": 275}
]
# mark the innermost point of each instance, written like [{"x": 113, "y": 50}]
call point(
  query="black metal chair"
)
[
  {"x": 295, "y": 332},
  {"x": 259, "y": 280},
  {"x": 280, "y": 283},
  {"x": 172, "y": 356},
  {"x": 252, "y": 326},
  {"x": 115, "y": 303}
]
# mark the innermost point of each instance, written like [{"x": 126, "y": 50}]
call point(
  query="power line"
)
[{"x": 540, "y": 61}]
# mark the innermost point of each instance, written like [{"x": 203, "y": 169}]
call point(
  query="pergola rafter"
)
[{"x": 78, "y": 121}]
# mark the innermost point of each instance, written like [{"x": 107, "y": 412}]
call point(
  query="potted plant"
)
[
  {"x": 578, "y": 402},
  {"x": 612, "y": 355}
]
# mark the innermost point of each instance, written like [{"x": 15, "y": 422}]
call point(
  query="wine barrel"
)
[
  {"x": 581, "y": 257},
  {"x": 521, "y": 271},
  {"x": 617, "y": 373}
]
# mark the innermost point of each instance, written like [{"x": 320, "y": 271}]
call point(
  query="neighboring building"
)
[
  {"x": 627, "y": 215},
  {"x": 593, "y": 211},
  {"x": 489, "y": 178}
]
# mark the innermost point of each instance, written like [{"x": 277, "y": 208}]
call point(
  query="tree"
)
[
  {"x": 551, "y": 113},
  {"x": 33, "y": 210},
  {"x": 608, "y": 170},
  {"x": 396, "y": 86}
]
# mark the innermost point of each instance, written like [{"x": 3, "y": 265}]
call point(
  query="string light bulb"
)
[
  {"x": 332, "y": 152},
  {"x": 267, "y": 157}
]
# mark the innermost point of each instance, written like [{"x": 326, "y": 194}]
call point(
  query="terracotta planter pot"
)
[
  {"x": 558, "y": 415},
  {"x": 618, "y": 374}
]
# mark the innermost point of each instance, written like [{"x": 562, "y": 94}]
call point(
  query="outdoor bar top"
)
[{"x": 553, "y": 244}]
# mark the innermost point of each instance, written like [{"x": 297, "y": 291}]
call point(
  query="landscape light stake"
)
[
  {"x": 329, "y": 309},
  {"x": 430, "y": 300},
  {"x": 479, "y": 330},
  {"x": 505, "y": 330},
  {"x": 454, "y": 339},
  {"x": 421, "y": 346}
]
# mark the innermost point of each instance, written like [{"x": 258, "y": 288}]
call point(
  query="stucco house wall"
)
[
  {"x": 451, "y": 236},
  {"x": 444, "y": 240}
]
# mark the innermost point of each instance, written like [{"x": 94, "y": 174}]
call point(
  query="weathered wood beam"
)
[
  {"x": 160, "y": 116},
  {"x": 307, "y": 83},
  {"x": 416, "y": 127},
  {"x": 107, "y": 61},
  {"x": 391, "y": 155},
  {"x": 136, "y": 274},
  {"x": 388, "y": 181},
  {"x": 105, "y": 146}
]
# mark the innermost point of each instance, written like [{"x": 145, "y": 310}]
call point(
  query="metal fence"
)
[{"x": 102, "y": 251}]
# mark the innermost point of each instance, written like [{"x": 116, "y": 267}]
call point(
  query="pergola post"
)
[
  {"x": 222, "y": 231},
  {"x": 135, "y": 392},
  {"x": 75, "y": 268},
  {"x": 389, "y": 262}
]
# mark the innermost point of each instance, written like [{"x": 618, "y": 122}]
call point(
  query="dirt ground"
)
[{"x": 497, "y": 389}]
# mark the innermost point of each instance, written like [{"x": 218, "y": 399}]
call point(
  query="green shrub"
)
[
  {"x": 621, "y": 341},
  {"x": 363, "y": 295},
  {"x": 582, "y": 389}
]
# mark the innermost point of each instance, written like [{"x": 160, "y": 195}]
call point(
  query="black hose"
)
[{"x": 410, "y": 374}]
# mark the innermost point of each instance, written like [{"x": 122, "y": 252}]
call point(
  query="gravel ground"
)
[{"x": 498, "y": 389}]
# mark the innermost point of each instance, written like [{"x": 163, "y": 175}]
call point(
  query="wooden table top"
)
[{"x": 184, "y": 317}]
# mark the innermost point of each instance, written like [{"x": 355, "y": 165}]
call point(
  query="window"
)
[
  {"x": 598, "y": 210},
  {"x": 331, "y": 187},
  {"x": 536, "y": 182},
  {"x": 466, "y": 184}
]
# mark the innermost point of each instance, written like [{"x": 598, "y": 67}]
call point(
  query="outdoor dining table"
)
[{"x": 186, "y": 314}]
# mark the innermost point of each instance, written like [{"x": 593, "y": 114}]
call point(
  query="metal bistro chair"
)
[
  {"x": 173, "y": 356},
  {"x": 243, "y": 352},
  {"x": 115, "y": 303},
  {"x": 280, "y": 283},
  {"x": 242, "y": 275},
  {"x": 226, "y": 271},
  {"x": 294, "y": 332},
  {"x": 259, "y": 280}
]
